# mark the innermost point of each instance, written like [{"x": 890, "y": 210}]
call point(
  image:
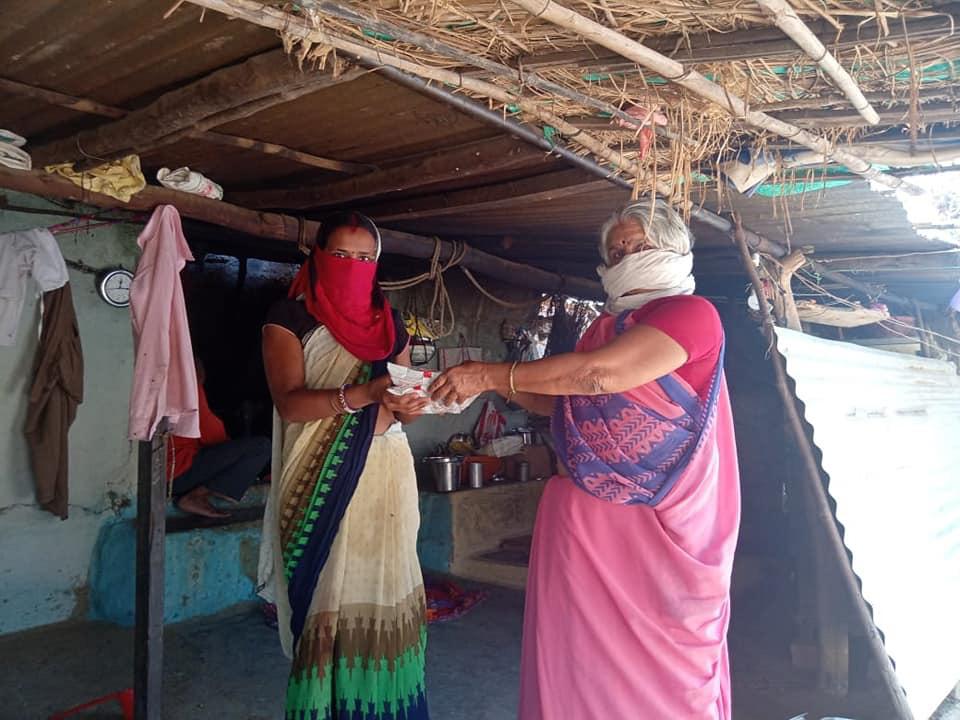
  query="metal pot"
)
[{"x": 445, "y": 472}]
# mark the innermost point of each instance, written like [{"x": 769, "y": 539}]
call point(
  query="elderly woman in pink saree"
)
[{"x": 628, "y": 596}]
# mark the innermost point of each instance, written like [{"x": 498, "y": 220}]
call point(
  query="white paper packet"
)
[{"x": 408, "y": 381}]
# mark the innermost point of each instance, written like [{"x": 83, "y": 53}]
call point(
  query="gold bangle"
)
[{"x": 513, "y": 388}]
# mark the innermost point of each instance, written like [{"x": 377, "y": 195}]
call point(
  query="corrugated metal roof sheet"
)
[{"x": 888, "y": 426}]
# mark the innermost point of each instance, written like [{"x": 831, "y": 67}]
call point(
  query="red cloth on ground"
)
[{"x": 182, "y": 450}]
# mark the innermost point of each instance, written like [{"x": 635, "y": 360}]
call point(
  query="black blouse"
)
[{"x": 293, "y": 315}]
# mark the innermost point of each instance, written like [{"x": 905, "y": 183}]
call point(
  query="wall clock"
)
[{"x": 114, "y": 287}]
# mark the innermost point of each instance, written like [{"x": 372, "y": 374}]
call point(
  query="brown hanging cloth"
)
[{"x": 55, "y": 393}]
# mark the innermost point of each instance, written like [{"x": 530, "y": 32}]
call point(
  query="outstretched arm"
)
[{"x": 638, "y": 356}]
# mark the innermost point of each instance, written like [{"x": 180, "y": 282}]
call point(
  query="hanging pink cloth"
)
[
  {"x": 164, "y": 375},
  {"x": 628, "y": 605}
]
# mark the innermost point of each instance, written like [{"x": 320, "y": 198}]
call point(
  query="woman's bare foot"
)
[
  {"x": 227, "y": 498},
  {"x": 197, "y": 502}
]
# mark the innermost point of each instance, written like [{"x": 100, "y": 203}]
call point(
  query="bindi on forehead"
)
[
  {"x": 357, "y": 240},
  {"x": 626, "y": 232}
]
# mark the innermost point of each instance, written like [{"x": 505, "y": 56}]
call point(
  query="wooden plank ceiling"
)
[{"x": 425, "y": 167}]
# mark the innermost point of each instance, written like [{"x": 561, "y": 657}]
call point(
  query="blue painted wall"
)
[
  {"x": 210, "y": 570},
  {"x": 207, "y": 571},
  {"x": 44, "y": 561},
  {"x": 435, "y": 541}
]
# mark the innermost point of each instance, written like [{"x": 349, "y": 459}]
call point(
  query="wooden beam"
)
[
  {"x": 540, "y": 188},
  {"x": 51, "y": 97},
  {"x": 264, "y": 225},
  {"x": 512, "y": 272},
  {"x": 187, "y": 108},
  {"x": 274, "y": 226},
  {"x": 465, "y": 161},
  {"x": 93, "y": 107},
  {"x": 297, "y": 156},
  {"x": 239, "y": 112}
]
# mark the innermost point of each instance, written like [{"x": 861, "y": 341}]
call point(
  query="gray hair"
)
[{"x": 664, "y": 226}]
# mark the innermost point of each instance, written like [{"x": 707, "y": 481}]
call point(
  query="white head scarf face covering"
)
[{"x": 655, "y": 273}]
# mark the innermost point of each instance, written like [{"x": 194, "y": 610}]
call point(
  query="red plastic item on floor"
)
[{"x": 124, "y": 698}]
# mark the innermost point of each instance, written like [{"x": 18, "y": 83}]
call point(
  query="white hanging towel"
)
[{"x": 28, "y": 253}]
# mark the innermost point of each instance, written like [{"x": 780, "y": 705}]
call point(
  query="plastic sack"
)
[{"x": 187, "y": 180}]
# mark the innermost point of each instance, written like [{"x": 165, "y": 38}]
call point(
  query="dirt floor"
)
[{"x": 231, "y": 667}]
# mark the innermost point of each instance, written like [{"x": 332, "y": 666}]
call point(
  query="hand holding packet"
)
[{"x": 410, "y": 380}]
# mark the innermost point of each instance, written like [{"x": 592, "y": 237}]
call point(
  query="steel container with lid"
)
[{"x": 445, "y": 471}]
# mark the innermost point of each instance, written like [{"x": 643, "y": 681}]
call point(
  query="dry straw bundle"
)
[{"x": 901, "y": 54}]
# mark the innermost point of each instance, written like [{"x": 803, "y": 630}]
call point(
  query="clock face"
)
[{"x": 115, "y": 288}]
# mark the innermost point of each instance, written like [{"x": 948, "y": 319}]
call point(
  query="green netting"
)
[
  {"x": 378, "y": 35},
  {"x": 938, "y": 72},
  {"x": 797, "y": 188}
]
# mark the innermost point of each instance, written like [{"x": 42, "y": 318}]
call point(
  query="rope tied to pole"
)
[{"x": 441, "y": 316}]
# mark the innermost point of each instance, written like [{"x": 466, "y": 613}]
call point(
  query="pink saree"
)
[{"x": 628, "y": 596}]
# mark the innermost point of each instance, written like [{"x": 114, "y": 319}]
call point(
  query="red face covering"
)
[{"x": 341, "y": 299}]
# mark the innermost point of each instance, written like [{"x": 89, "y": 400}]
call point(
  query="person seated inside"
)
[{"x": 213, "y": 464}]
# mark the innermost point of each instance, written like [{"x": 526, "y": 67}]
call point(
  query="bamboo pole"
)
[
  {"x": 820, "y": 507},
  {"x": 265, "y": 16},
  {"x": 696, "y": 83},
  {"x": 785, "y": 18}
]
